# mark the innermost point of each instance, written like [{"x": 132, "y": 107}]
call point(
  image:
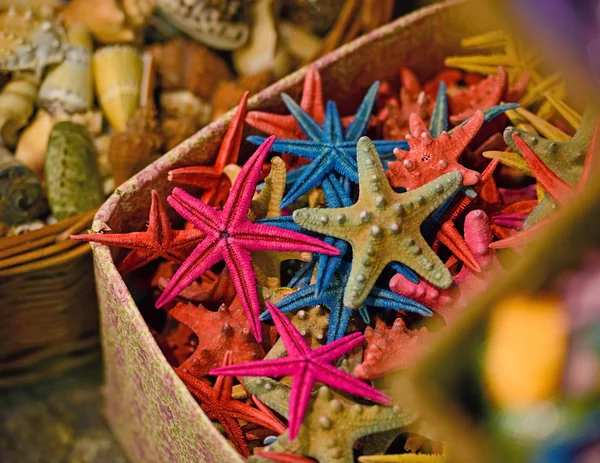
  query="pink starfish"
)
[
  {"x": 231, "y": 237},
  {"x": 306, "y": 367},
  {"x": 478, "y": 237}
]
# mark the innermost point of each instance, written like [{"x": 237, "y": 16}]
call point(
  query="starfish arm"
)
[
  {"x": 338, "y": 379},
  {"x": 230, "y": 146},
  {"x": 273, "y": 367},
  {"x": 304, "y": 275},
  {"x": 332, "y": 222},
  {"x": 302, "y": 385},
  {"x": 432, "y": 194},
  {"x": 384, "y": 299},
  {"x": 311, "y": 176},
  {"x": 336, "y": 349},
  {"x": 339, "y": 318},
  {"x": 304, "y": 297},
  {"x": 335, "y": 194},
  {"x": 405, "y": 271},
  {"x": 363, "y": 115},
  {"x": 333, "y": 132},
  {"x": 258, "y": 237},
  {"x": 206, "y": 254},
  {"x": 241, "y": 411},
  {"x": 523, "y": 237},
  {"x": 308, "y": 125},
  {"x": 345, "y": 164},
  {"x": 439, "y": 118},
  {"x": 159, "y": 225},
  {"x": 312, "y": 95},
  {"x": 303, "y": 148},
  {"x": 184, "y": 239},
  {"x": 328, "y": 265},
  {"x": 285, "y": 222},
  {"x": 370, "y": 170},
  {"x": 274, "y": 124},
  {"x": 199, "y": 389},
  {"x": 364, "y": 273},
  {"x": 426, "y": 262},
  {"x": 239, "y": 263},
  {"x": 138, "y": 258},
  {"x": 238, "y": 203},
  {"x": 272, "y": 393},
  {"x": 134, "y": 240},
  {"x": 292, "y": 340},
  {"x": 235, "y": 433},
  {"x": 193, "y": 210},
  {"x": 386, "y": 147},
  {"x": 462, "y": 135}
]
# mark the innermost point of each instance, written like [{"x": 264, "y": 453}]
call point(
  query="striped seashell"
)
[
  {"x": 117, "y": 72},
  {"x": 17, "y": 100}
]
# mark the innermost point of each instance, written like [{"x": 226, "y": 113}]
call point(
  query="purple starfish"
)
[
  {"x": 231, "y": 237},
  {"x": 306, "y": 367}
]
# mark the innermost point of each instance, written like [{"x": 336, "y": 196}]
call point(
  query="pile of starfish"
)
[{"x": 331, "y": 258}]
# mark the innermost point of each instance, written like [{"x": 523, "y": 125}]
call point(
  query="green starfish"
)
[
  {"x": 332, "y": 422},
  {"x": 383, "y": 226},
  {"x": 564, "y": 158}
]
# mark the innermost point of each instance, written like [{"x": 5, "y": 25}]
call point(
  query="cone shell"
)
[
  {"x": 104, "y": 18},
  {"x": 17, "y": 100},
  {"x": 33, "y": 142},
  {"x": 117, "y": 74},
  {"x": 68, "y": 87}
]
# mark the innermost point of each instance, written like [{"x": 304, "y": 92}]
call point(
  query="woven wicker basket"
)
[
  {"x": 48, "y": 304},
  {"x": 149, "y": 409}
]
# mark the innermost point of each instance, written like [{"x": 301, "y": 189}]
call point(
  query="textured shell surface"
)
[
  {"x": 29, "y": 42},
  {"x": 17, "y": 100},
  {"x": 72, "y": 179},
  {"x": 138, "y": 11},
  {"x": 221, "y": 24}
]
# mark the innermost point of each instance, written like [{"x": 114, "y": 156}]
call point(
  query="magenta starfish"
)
[
  {"x": 231, "y": 237},
  {"x": 306, "y": 367}
]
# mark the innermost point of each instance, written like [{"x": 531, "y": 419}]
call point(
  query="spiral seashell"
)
[
  {"x": 68, "y": 87},
  {"x": 17, "y": 99},
  {"x": 117, "y": 72},
  {"x": 106, "y": 21}
]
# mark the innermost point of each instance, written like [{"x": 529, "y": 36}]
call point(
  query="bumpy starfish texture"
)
[
  {"x": 218, "y": 405},
  {"x": 391, "y": 349},
  {"x": 332, "y": 424},
  {"x": 430, "y": 157},
  {"x": 231, "y": 237},
  {"x": 383, "y": 226},
  {"x": 339, "y": 316},
  {"x": 217, "y": 332},
  {"x": 331, "y": 149},
  {"x": 159, "y": 240},
  {"x": 306, "y": 366}
]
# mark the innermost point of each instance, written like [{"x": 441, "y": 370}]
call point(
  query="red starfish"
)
[
  {"x": 217, "y": 332},
  {"x": 487, "y": 93},
  {"x": 306, "y": 367},
  {"x": 430, "y": 157},
  {"x": 210, "y": 288},
  {"x": 231, "y": 237},
  {"x": 282, "y": 457},
  {"x": 478, "y": 238},
  {"x": 451, "y": 77},
  {"x": 159, "y": 240},
  {"x": 559, "y": 190},
  {"x": 391, "y": 349},
  {"x": 211, "y": 179},
  {"x": 514, "y": 210},
  {"x": 218, "y": 405}
]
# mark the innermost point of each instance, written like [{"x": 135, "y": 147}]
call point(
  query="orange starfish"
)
[
  {"x": 211, "y": 179},
  {"x": 159, "y": 240}
]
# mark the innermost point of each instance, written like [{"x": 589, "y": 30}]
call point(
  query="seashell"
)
[
  {"x": 182, "y": 115},
  {"x": 138, "y": 12},
  {"x": 73, "y": 183},
  {"x": 106, "y": 21},
  {"x": 26, "y": 227},
  {"x": 21, "y": 193},
  {"x": 229, "y": 92},
  {"x": 184, "y": 64},
  {"x": 318, "y": 15},
  {"x": 17, "y": 99},
  {"x": 68, "y": 87},
  {"x": 261, "y": 52},
  {"x": 221, "y": 24},
  {"x": 28, "y": 42},
  {"x": 300, "y": 43},
  {"x": 117, "y": 74}
]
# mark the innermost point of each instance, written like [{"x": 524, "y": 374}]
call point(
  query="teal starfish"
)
[{"x": 383, "y": 226}]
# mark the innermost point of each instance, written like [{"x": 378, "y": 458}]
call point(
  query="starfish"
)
[
  {"x": 283, "y": 457},
  {"x": 391, "y": 349},
  {"x": 383, "y": 226},
  {"x": 218, "y": 405},
  {"x": 405, "y": 458},
  {"x": 331, "y": 149},
  {"x": 487, "y": 93},
  {"x": 332, "y": 424},
  {"x": 468, "y": 283},
  {"x": 230, "y": 236},
  {"x": 332, "y": 298},
  {"x": 159, "y": 240},
  {"x": 211, "y": 179},
  {"x": 306, "y": 366},
  {"x": 217, "y": 332},
  {"x": 565, "y": 159},
  {"x": 430, "y": 157},
  {"x": 211, "y": 287}
]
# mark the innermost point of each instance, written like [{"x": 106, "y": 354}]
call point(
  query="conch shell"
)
[
  {"x": 184, "y": 64},
  {"x": 104, "y": 18},
  {"x": 68, "y": 87},
  {"x": 182, "y": 115},
  {"x": 117, "y": 74},
  {"x": 221, "y": 24},
  {"x": 17, "y": 99},
  {"x": 29, "y": 42}
]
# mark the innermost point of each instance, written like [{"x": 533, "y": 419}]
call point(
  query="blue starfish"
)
[
  {"x": 330, "y": 148},
  {"x": 339, "y": 315}
]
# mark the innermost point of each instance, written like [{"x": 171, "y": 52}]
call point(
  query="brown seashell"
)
[
  {"x": 17, "y": 99},
  {"x": 300, "y": 43},
  {"x": 317, "y": 15},
  {"x": 182, "y": 115},
  {"x": 106, "y": 21},
  {"x": 184, "y": 64},
  {"x": 229, "y": 92},
  {"x": 138, "y": 12},
  {"x": 117, "y": 74}
]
